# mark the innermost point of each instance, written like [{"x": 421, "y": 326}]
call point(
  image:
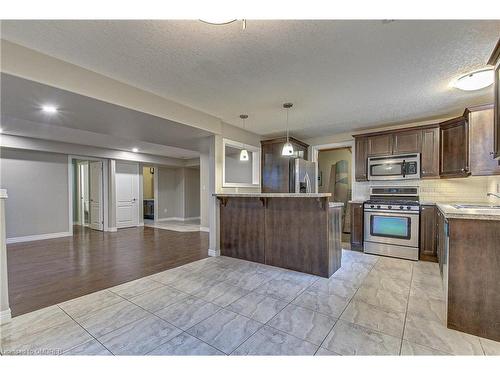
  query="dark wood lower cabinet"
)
[
  {"x": 428, "y": 233},
  {"x": 474, "y": 277},
  {"x": 356, "y": 226}
]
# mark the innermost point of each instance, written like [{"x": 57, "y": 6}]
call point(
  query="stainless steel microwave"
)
[{"x": 394, "y": 167}]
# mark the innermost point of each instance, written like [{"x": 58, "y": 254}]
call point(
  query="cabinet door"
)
[
  {"x": 454, "y": 155},
  {"x": 356, "y": 226},
  {"x": 430, "y": 153},
  {"x": 440, "y": 239},
  {"x": 380, "y": 145},
  {"x": 275, "y": 169},
  {"x": 481, "y": 143},
  {"x": 497, "y": 112},
  {"x": 407, "y": 142},
  {"x": 428, "y": 234},
  {"x": 360, "y": 159}
]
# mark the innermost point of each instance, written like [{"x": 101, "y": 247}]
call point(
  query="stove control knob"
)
[
  {"x": 372, "y": 206},
  {"x": 408, "y": 207},
  {"x": 378, "y": 206},
  {"x": 401, "y": 207},
  {"x": 389, "y": 207}
]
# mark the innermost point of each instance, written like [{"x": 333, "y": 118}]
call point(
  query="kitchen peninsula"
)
[{"x": 297, "y": 231}]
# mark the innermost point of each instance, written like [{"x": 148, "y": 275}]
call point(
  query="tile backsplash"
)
[{"x": 469, "y": 189}]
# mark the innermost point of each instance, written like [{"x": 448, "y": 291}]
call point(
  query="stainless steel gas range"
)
[{"x": 391, "y": 222}]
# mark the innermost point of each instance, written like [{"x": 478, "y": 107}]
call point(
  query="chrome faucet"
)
[{"x": 492, "y": 194}]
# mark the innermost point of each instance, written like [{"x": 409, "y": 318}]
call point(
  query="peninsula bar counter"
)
[{"x": 300, "y": 232}]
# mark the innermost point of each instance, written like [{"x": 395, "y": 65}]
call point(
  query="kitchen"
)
[{"x": 421, "y": 192}]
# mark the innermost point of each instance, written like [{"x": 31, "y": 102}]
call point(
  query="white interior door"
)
[
  {"x": 96, "y": 195},
  {"x": 127, "y": 195}
]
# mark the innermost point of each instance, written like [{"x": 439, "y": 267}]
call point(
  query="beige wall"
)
[
  {"x": 326, "y": 159},
  {"x": 148, "y": 183}
]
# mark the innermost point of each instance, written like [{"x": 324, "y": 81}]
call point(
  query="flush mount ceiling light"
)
[
  {"x": 49, "y": 108},
  {"x": 223, "y": 21},
  {"x": 476, "y": 80},
  {"x": 244, "y": 153},
  {"x": 287, "y": 149},
  {"x": 135, "y": 149}
]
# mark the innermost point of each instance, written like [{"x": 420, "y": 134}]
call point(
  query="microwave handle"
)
[{"x": 403, "y": 168}]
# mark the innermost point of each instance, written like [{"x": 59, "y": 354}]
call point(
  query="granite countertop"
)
[
  {"x": 451, "y": 212},
  {"x": 274, "y": 195},
  {"x": 335, "y": 204},
  {"x": 357, "y": 201}
]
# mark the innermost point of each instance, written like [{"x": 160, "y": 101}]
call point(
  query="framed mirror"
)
[{"x": 240, "y": 165}]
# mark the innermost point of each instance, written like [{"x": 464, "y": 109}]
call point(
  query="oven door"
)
[{"x": 395, "y": 228}]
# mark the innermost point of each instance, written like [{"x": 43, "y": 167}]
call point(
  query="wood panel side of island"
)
[
  {"x": 296, "y": 233},
  {"x": 242, "y": 232}
]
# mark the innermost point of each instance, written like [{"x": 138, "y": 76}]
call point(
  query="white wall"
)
[
  {"x": 178, "y": 193},
  {"x": 192, "y": 192},
  {"x": 37, "y": 184}
]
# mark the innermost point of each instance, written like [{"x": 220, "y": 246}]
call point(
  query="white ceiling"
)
[
  {"x": 88, "y": 121},
  {"x": 340, "y": 75}
]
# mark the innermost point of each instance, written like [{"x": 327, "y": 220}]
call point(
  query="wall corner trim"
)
[
  {"x": 5, "y": 316},
  {"x": 204, "y": 229},
  {"x": 37, "y": 237},
  {"x": 213, "y": 253}
]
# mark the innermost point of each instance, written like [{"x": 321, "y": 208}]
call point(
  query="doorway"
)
[
  {"x": 149, "y": 198},
  {"x": 335, "y": 177},
  {"x": 88, "y": 204},
  {"x": 127, "y": 194}
]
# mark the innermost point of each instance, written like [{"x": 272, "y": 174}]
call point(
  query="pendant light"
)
[
  {"x": 287, "y": 149},
  {"x": 244, "y": 153}
]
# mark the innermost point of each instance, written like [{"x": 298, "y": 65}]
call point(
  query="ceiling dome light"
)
[
  {"x": 135, "y": 149},
  {"x": 287, "y": 149},
  {"x": 475, "y": 80},
  {"x": 218, "y": 20},
  {"x": 49, "y": 108}
]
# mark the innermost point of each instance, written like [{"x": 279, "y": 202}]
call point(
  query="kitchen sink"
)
[{"x": 476, "y": 206}]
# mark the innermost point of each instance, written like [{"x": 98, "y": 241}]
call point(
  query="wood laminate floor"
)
[{"x": 47, "y": 272}]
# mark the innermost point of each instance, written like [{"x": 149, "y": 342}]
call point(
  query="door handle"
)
[{"x": 133, "y": 200}]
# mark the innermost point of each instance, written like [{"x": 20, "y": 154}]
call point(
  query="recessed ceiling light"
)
[
  {"x": 476, "y": 80},
  {"x": 49, "y": 108},
  {"x": 135, "y": 149}
]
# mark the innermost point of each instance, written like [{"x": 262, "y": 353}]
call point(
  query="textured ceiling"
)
[{"x": 340, "y": 75}]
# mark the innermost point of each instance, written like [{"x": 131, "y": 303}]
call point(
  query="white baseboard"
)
[
  {"x": 213, "y": 253},
  {"x": 5, "y": 316},
  {"x": 111, "y": 229},
  {"x": 140, "y": 224},
  {"x": 178, "y": 218},
  {"x": 204, "y": 229},
  {"x": 37, "y": 237}
]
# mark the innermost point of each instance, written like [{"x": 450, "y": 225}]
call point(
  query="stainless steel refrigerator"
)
[{"x": 303, "y": 176}]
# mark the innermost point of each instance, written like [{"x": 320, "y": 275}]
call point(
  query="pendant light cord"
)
[{"x": 287, "y": 129}]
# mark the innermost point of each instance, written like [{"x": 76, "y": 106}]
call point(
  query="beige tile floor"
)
[{"x": 224, "y": 306}]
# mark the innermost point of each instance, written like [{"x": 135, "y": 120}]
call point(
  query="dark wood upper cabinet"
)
[
  {"x": 407, "y": 142},
  {"x": 275, "y": 168},
  {"x": 356, "y": 226},
  {"x": 454, "y": 151},
  {"x": 430, "y": 153},
  {"x": 360, "y": 165},
  {"x": 495, "y": 61},
  {"x": 481, "y": 143},
  {"x": 428, "y": 233},
  {"x": 380, "y": 145}
]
